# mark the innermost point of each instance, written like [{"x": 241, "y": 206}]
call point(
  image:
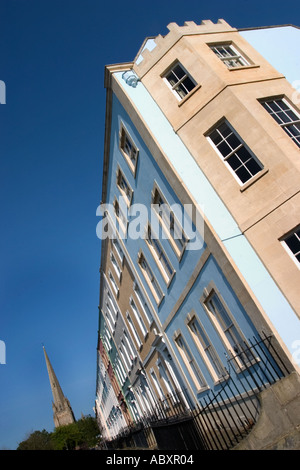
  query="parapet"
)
[{"x": 159, "y": 45}]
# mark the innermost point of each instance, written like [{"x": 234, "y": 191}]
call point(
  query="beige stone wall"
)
[
  {"x": 268, "y": 207},
  {"x": 280, "y": 429}
]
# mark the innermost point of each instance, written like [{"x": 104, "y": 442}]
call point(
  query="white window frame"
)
[
  {"x": 125, "y": 350},
  {"x": 123, "y": 186},
  {"x": 134, "y": 331},
  {"x": 233, "y": 152},
  {"x": 159, "y": 255},
  {"x": 124, "y": 360},
  {"x": 157, "y": 385},
  {"x": 113, "y": 283},
  {"x": 143, "y": 304},
  {"x": 110, "y": 323},
  {"x": 118, "y": 249},
  {"x": 206, "y": 348},
  {"x": 120, "y": 216},
  {"x": 235, "y": 57},
  {"x": 287, "y": 248},
  {"x": 138, "y": 317},
  {"x": 130, "y": 346},
  {"x": 190, "y": 362},
  {"x": 227, "y": 333},
  {"x": 284, "y": 124},
  {"x": 168, "y": 220},
  {"x": 179, "y": 88},
  {"x": 130, "y": 152},
  {"x": 115, "y": 265},
  {"x": 150, "y": 278}
]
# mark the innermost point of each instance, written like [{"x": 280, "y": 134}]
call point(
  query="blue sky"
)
[{"x": 53, "y": 55}]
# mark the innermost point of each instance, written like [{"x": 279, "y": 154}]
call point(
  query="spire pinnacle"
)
[{"x": 62, "y": 411}]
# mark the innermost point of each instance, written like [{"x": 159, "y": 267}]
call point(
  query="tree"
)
[
  {"x": 66, "y": 437},
  {"x": 83, "y": 434},
  {"x": 38, "y": 440},
  {"x": 89, "y": 431}
]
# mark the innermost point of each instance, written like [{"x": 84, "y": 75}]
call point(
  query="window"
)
[
  {"x": 226, "y": 326},
  {"x": 229, "y": 55},
  {"x": 179, "y": 80},
  {"x": 124, "y": 187},
  {"x": 108, "y": 309},
  {"x": 172, "y": 227},
  {"x": 121, "y": 218},
  {"x": 159, "y": 255},
  {"x": 120, "y": 369},
  {"x": 112, "y": 304},
  {"x": 125, "y": 361},
  {"x": 166, "y": 380},
  {"x": 128, "y": 149},
  {"x": 132, "y": 352},
  {"x": 292, "y": 243},
  {"x": 190, "y": 362},
  {"x": 113, "y": 282},
  {"x": 143, "y": 303},
  {"x": 133, "y": 331},
  {"x": 151, "y": 281},
  {"x": 206, "y": 348},
  {"x": 138, "y": 317},
  {"x": 285, "y": 117},
  {"x": 128, "y": 356},
  {"x": 110, "y": 321},
  {"x": 118, "y": 249},
  {"x": 236, "y": 156},
  {"x": 115, "y": 265},
  {"x": 158, "y": 388}
]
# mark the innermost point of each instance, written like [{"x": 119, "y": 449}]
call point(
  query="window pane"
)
[
  {"x": 180, "y": 81},
  {"x": 234, "y": 162},
  {"x": 237, "y": 156},
  {"x": 179, "y": 72},
  {"x": 233, "y": 141},
  {"x": 243, "y": 154},
  {"x": 224, "y": 148},
  {"x": 293, "y": 242},
  {"x": 188, "y": 83},
  {"x": 243, "y": 174},
  {"x": 181, "y": 90},
  {"x": 215, "y": 137},
  {"x": 224, "y": 129},
  {"x": 253, "y": 166},
  {"x": 283, "y": 115}
]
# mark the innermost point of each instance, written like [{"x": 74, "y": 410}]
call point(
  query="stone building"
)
[{"x": 200, "y": 267}]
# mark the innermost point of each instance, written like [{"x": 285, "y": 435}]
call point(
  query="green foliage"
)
[
  {"x": 38, "y": 440},
  {"x": 82, "y": 434}
]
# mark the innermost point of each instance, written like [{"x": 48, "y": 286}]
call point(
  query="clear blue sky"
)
[{"x": 53, "y": 55}]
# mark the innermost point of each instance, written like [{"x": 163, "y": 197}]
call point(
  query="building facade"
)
[{"x": 200, "y": 257}]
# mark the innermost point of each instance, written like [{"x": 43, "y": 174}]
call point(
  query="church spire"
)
[{"x": 62, "y": 411}]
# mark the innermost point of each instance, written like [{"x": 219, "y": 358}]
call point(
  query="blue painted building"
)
[{"x": 195, "y": 173}]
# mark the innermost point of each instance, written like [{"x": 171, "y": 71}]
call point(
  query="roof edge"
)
[{"x": 268, "y": 27}]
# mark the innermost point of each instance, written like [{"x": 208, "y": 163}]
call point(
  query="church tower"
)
[{"x": 62, "y": 411}]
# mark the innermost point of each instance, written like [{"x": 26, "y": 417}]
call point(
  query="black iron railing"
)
[{"x": 223, "y": 417}]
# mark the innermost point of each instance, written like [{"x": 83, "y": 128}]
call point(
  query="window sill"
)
[
  {"x": 197, "y": 87},
  {"x": 254, "y": 179},
  {"x": 242, "y": 67}
]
